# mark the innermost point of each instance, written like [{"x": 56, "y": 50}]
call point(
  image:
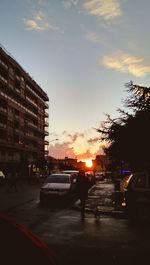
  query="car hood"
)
[{"x": 56, "y": 186}]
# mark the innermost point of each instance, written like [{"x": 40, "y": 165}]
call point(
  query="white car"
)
[
  {"x": 2, "y": 177},
  {"x": 73, "y": 173},
  {"x": 56, "y": 186}
]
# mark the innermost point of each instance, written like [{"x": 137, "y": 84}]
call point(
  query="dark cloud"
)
[
  {"x": 73, "y": 137},
  {"x": 61, "y": 150},
  {"x": 93, "y": 140}
]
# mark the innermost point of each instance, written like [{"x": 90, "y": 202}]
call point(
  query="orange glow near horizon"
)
[{"x": 89, "y": 163}]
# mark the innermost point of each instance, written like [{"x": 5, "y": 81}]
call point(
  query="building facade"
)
[
  {"x": 101, "y": 163},
  {"x": 23, "y": 117}
]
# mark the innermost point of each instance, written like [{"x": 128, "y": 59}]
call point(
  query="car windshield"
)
[{"x": 58, "y": 179}]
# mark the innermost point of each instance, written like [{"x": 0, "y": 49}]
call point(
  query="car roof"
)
[
  {"x": 59, "y": 174},
  {"x": 71, "y": 171}
]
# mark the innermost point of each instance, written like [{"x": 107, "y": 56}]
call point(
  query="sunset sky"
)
[{"x": 81, "y": 52}]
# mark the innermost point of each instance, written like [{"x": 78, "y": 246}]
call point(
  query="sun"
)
[{"x": 89, "y": 163}]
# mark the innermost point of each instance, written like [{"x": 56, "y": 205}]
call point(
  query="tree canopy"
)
[{"x": 128, "y": 136}]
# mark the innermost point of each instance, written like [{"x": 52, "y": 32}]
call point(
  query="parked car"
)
[
  {"x": 137, "y": 196},
  {"x": 56, "y": 186},
  {"x": 73, "y": 173},
  {"x": 2, "y": 177}
]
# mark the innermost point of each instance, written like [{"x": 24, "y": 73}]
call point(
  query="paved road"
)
[{"x": 108, "y": 240}]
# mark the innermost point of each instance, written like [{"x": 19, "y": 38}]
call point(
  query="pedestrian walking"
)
[{"x": 82, "y": 190}]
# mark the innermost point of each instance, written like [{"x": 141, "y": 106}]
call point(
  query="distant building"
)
[
  {"x": 67, "y": 163},
  {"x": 101, "y": 163},
  {"x": 22, "y": 116}
]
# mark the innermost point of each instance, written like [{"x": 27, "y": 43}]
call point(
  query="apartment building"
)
[{"x": 23, "y": 117}]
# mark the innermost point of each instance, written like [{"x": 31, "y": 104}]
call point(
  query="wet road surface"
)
[{"x": 108, "y": 240}]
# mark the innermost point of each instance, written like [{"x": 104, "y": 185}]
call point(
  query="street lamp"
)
[
  {"x": 48, "y": 145},
  {"x": 48, "y": 152},
  {"x": 53, "y": 140}
]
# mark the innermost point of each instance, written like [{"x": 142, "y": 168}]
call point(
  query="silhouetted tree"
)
[{"x": 128, "y": 135}]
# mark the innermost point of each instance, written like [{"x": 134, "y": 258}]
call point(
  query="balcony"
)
[
  {"x": 30, "y": 135},
  {"x": 46, "y": 133},
  {"x": 3, "y": 64},
  {"x": 31, "y": 124},
  {"x": 3, "y": 79},
  {"x": 46, "y": 114},
  {"x": 46, "y": 124},
  {"x": 46, "y": 152},
  {"x": 17, "y": 77},
  {"x": 31, "y": 101},
  {"x": 46, "y": 105}
]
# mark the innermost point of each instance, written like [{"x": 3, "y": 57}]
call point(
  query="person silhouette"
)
[{"x": 82, "y": 189}]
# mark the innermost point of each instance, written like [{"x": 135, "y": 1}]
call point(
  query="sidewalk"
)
[
  {"x": 11, "y": 199},
  {"x": 102, "y": 195}
]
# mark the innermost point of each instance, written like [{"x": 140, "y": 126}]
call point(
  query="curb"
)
[{"x": 114, "y": 213}]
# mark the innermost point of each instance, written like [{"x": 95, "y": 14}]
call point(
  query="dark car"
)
[
  {"x": 137, "y": 196},
  {"x": 56, "y": 186}
]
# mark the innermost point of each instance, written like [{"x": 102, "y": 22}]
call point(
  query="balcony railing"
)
[
  {"x": 46, "y": 124},
  {"x": 46, "y": 114},
  {"x": 46, "y": 105},
  {"x": 31, "y": 124},
  {"x": 31, "y": 101},
  {"x": 46, "y": 133},
  {"x": 3, "y": 79},
  {"x": 17, "y": 77},
  {"x": 3, "y": 64}
]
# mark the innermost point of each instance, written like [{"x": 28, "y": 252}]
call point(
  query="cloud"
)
[
  {"x": 76, "y": 145},
  {"x": 93, "y": 140},
  {"x": 39, "y": 23},
  {"x": 106, "y": 9},
  {"x": 43, "y": 3},
  {"x": 94, "y": 37},
  {"x": 60, "y": 150},
  {"x": 70, "y": 3},
  {"x": 126, "y": 63}
]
